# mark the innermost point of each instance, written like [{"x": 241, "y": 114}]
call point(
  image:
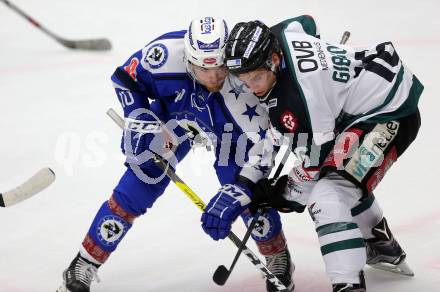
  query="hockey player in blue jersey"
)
[{"x": 176, "y": 94}]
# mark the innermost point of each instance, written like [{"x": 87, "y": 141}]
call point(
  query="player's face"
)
[
  {"x": 259, "y": 81},
  {"x": 211, "y": 78}
]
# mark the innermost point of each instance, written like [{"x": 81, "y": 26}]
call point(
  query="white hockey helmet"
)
[{"x": 205, "y": 41}]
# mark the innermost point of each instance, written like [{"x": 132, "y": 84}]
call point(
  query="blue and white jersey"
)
[{"x": 232, "y": 120}]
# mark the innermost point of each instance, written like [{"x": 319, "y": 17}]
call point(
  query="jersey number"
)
[
  {"x": 387, "y": 54},
  {"x": 126, "y": 98}
]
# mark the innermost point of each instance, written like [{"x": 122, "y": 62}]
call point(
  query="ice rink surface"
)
[{"x": 52, "y": 113}]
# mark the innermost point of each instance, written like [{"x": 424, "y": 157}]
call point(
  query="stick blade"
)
[
  {"x": 38, "y": 182},
  {"x": 220, "y": 275},
  {"x": 102, "y": 44}
]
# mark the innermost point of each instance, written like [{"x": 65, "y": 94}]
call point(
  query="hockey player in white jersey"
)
[
  {"x": 348, "y": 114},
  {"x": 182, "y": 72}
]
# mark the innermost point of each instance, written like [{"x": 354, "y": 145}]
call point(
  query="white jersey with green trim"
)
[{"x": 341, "y": 85}]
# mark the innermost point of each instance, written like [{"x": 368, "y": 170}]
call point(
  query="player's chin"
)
[
  {"x": 260, "y": 94},
  {"x": 214, "y": 87}
]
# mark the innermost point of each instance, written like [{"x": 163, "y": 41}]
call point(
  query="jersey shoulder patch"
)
[
  {"x": 164, "y": 55},
  {"x": 156, "y": 56}
]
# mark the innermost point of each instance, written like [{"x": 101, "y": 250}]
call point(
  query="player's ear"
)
[{"x": 276, "y": 60}]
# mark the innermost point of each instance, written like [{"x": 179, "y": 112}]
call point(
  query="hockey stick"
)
[
  {"x": 222, "y": 274},
  {"x": 100, "y": 44},
  {"x": 38, "y": 182},
  {"x": 282, "y": 162},
  {"x": 201, "y": 205}
]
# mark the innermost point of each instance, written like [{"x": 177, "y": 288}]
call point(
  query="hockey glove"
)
[
  {"x": 230, "y": 201},
  {"x": 270, "y": 192}
]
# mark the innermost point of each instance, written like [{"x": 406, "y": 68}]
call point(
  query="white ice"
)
[{"x": 52, "y": 113}]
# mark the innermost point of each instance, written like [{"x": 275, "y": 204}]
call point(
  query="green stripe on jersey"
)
[
  {"x": 307, "y": 23},
  {"x": 309, "y": 27},
  {"x": 342, "y": 245},
  {"x": 335, "y": 227},
  {"x": 379, "y": 118},
  {"x": 291, "y": 68},
  {"x": 392, "y": 93},
  {"x": 364, "y": 205},
  {"x": 407, "y": 108}
]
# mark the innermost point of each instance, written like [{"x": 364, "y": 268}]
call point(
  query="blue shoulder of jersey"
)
[{"x": 158, "y": 69}]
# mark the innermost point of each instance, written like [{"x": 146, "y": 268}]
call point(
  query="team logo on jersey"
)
[
  {"x": 131, "y": 68},
  {"x": 289, "y": 121},
  {"x": 110, "y": 230},
  {"x": 156, "y": 56}
]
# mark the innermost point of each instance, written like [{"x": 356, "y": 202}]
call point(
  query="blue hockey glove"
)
[{"x": 230, "y": 201}]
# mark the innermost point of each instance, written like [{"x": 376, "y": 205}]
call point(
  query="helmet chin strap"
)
[
  {"x": 264, "y": 98},
  {"x": 190, "y": 71},
  {"x": 273, "y": 68}
]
